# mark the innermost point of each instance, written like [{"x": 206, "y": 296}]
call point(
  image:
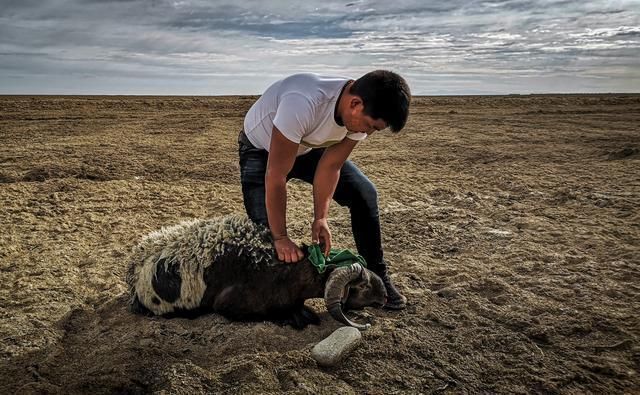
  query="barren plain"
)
[{"x": 510, "y": 222}]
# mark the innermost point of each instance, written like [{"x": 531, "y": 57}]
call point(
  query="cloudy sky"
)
[{"x": 203, "y": 47}]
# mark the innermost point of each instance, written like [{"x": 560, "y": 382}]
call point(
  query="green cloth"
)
[{"x": 336, "y": 258}]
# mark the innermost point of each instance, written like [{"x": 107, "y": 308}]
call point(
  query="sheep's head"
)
[{"x": 353, "y": 287}]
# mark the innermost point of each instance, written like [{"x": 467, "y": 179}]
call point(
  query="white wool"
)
[{"x": 193, "y": 246}]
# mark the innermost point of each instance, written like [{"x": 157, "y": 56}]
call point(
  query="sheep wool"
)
[{"x": 187, "y": 249}]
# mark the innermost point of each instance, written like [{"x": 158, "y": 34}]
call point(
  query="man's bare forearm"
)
[
  {"x": 276, "y": 202},
  {"x": 324, "y": 185}
]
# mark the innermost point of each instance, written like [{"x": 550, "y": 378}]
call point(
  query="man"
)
[{"x": 305, "y": 126}]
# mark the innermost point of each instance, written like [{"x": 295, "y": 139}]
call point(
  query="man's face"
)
[{"x": 359, "y": 122}]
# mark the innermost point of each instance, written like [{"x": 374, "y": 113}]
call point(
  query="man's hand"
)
[
  {"x": 320, "y": 233},
  {"x": 287, "y": 250}
]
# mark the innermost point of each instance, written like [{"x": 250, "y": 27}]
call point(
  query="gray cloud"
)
[{"x": 227, "y": 47}]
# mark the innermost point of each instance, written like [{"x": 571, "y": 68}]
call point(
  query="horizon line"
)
[{"x": 259, "y": 94}]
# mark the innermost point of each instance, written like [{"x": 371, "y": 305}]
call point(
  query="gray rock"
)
[{"x": 333, "y": 349}]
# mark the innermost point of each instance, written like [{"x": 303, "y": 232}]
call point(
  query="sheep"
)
[{"x": 228, "y": 265}]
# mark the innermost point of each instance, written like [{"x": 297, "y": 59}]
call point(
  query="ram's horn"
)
[{"x": 336, "y": 291}]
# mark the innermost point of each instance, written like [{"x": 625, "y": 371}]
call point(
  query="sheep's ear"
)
[
  {"x": 365, "y": 277},
  {"x": 360, "y": 283}
]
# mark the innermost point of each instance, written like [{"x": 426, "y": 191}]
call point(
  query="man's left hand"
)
[{"x": 321, "y": 234}]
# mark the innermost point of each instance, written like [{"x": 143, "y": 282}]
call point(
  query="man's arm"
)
[
  {"x": 282, "y": 155},
  {"x": 324, "y": 185}
]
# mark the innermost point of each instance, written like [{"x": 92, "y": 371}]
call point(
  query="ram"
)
[{"x": 228, "y": 265}]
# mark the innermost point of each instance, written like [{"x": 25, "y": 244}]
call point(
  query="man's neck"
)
[{"x": 337, "y": 112}]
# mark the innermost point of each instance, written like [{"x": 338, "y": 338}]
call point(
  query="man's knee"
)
[
  {"x": 362, "y": 197},
  {"x": 368, "y": 195}
]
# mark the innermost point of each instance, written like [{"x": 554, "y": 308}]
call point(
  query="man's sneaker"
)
[{"x": 395, "y": 300}]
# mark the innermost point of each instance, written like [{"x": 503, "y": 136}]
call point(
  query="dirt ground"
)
[{"x": 511, "y": 223}]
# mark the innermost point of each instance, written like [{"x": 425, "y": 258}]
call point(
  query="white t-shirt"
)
[{"x": 302, "y": 107}]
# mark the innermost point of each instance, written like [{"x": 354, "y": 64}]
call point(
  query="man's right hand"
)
[{"x": 287, "y": 250}]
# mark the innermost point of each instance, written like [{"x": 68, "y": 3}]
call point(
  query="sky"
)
[{"x": 198, "y": 47}]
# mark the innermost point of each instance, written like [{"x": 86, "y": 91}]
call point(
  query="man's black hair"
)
[{"x": 386, "y": 96}]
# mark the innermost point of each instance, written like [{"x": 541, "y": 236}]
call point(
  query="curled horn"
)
[{"x": 337, "y": 288}]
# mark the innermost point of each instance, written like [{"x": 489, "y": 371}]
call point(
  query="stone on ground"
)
[{"x": 333, "y": 349}]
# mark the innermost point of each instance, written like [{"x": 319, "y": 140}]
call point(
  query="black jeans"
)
[{"x": 354, "y": 190}]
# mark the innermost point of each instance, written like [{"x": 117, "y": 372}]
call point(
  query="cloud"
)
[{"x": 228, "y": 47}]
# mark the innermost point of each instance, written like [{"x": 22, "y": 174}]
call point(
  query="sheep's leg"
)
[
  {"x": 302, "y": 317},
  {"x": 226, "y": 301},
  {"x": 310, "y": 315},
  {"x": 233, "y": 303}
]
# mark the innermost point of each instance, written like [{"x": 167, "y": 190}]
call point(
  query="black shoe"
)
[{"x": 395, "y": 300}]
